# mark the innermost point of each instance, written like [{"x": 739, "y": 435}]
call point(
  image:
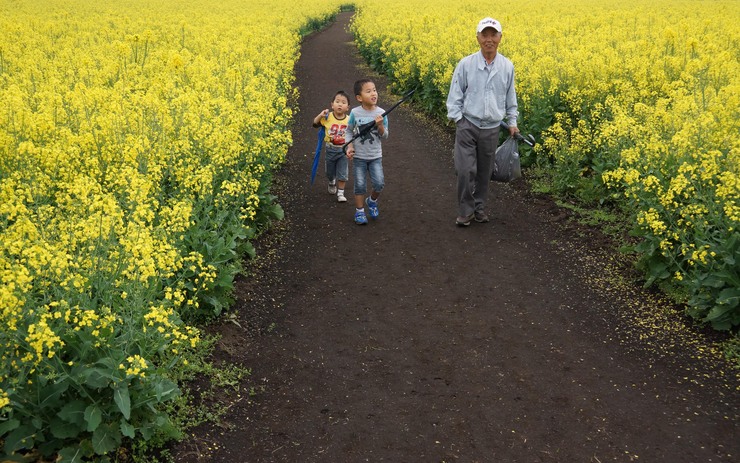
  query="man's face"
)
[{"x": 488, "y": 39}]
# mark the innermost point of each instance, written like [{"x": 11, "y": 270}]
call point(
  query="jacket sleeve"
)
[
  {"x": 512, "y": 107},
  {"x": 456, "y": 95}
]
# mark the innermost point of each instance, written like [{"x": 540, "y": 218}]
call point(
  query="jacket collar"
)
[{"x": 482, "y": 60}]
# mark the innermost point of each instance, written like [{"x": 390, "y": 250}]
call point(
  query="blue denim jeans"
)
[
  {"x": 337, "y": 166},
  {"x": 361, "y": 168}
]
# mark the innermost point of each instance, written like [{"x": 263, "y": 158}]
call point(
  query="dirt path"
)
[{"x": 412, "y": 340}]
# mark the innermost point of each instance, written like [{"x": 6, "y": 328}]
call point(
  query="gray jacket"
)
[{"x": 484, "y": 97}]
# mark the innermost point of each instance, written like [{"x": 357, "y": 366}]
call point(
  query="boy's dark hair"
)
[
  {"x": 341, "y": 93},
  {"x": 359, "y": 84}
]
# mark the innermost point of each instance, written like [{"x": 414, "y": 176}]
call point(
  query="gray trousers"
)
[{"x": 474, "y": 151}]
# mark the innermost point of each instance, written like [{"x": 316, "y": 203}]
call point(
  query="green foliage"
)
[
  {"x": 121, "y": 345},
  {"x": 609, "y": 220},
  {"x": 217, "y": 387},
  {"x": 317, "y": 23},
  {"x": 141, "y": 234},
  {"x": 89, "y": 410},
  {"x": 732, "y": 349},
  {"x": 704, "y": 267}
]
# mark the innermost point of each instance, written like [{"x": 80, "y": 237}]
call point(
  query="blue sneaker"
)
[
  {"x": 372, "y": 208},
  {"x": 360, "y": 218}
]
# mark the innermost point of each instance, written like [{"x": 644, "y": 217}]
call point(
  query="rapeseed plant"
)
[
  {"x": 633, "y": 104},
  {"x": 135, "y": 147}
]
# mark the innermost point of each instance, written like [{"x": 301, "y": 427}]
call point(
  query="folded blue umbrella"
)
[{"x": 317, "y": 155}]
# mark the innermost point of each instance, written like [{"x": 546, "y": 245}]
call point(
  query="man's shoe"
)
[
  {"x": 360, "y": 218},
  {"x": 332, "y": 188},
  {"x": 372, "y": 208},
  {"x": 481, "y": 217},
  {"x": 341, "y": 198},
  {"x": 464, "y": 221}
]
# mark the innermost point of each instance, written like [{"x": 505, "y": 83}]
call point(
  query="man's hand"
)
[{"x": 513, "y": 130}]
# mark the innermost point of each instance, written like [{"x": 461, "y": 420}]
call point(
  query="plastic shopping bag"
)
[{"x": 506, "y": 165}]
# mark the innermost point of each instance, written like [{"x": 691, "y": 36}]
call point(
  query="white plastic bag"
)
[{"x": 506, "y": 165}]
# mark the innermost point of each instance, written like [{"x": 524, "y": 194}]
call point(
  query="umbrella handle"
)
[
  {"x": 317, "y": 154},
  {"x": 528, "y": 140}
]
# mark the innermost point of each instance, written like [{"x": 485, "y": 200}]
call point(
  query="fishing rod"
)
[{"x": 364, "y": 129}]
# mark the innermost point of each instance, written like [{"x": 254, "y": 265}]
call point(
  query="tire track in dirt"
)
[{"x": 412, "y": 340}]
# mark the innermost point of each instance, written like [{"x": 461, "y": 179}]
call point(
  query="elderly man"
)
[{"x": 481, "y": 96}]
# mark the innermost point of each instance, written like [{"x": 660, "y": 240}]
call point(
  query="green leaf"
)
[
  {"x": 93, "y": 417},
  {"x": 47, "y": 446},
  {"x": 249, "y": 250},
  {"x": 95, "y": 378},
  {"x": 51, "y": 393},
  {"x": 657, "y": 270},
  {"x": 127, "y": 429},
  {"x": 277, "y": 212},
  {"x": 123, "y": 399},
  {"x": 20, "y": 438},
  {"x": 730, "y": 296},
  {"x": 165, "y": 427},
  {"x": 146, "y": 432},
  {"x": 63, "y": 429},
  {"x": 70, "y": 455},
  {"x": 73, "y": 412},
  {"x": 9, "y": 426},
  {"x": 109, "y": 363},
  {"x": 106, "y": 438},
  {"x": 718, "y": 313},
  {"x": 721, "y": 325},
  {"x": 166, "y": 390},
  {"x": 713, "y": 281}
]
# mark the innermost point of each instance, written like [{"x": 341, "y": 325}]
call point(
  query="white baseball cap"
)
[{"x": 488, "y": 22}]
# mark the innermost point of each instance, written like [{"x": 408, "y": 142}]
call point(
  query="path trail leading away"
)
[{"x": 413, "y": 340}]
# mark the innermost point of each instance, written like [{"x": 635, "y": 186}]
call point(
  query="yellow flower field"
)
[
  {"x": 633, "y": 104},
  {"x": 136, "y": 144},
  {"x": 137, "y": 140}
]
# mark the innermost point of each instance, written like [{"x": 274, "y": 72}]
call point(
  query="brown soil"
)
[{"x": 413, "y": 340}]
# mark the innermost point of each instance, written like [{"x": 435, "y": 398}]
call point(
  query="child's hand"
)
[
  {"x": 350, "y": 151},
  {"x": 321, "y": 115},
  {"x": 379, "y": 124}
]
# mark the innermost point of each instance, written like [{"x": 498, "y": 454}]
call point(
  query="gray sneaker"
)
[
  {"x": 463, "y": 221},
  {"x": 481, "y": 217},
  {"x": 332, "y": 188}
]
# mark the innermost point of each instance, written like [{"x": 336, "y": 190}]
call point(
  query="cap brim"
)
[{"x": 488, "y": 27}]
